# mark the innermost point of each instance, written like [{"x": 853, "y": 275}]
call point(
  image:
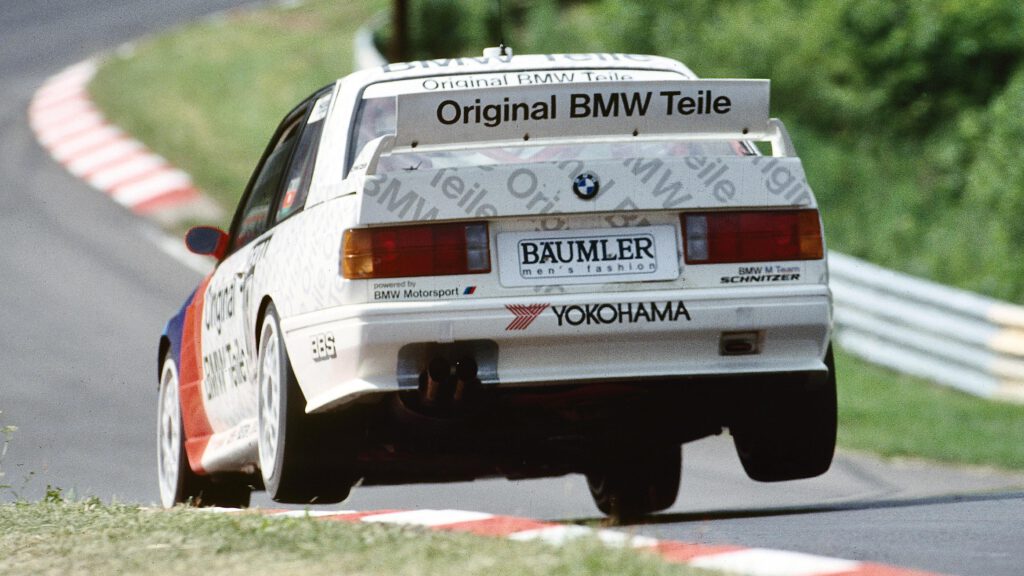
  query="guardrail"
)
[
  {"x": 949, "y": 336},
  {"x": 365, "y": 51}
]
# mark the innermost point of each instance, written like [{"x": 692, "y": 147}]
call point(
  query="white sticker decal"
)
[
  {"x": 320, "y": 109},
  {"x": 588, "y": 256}
]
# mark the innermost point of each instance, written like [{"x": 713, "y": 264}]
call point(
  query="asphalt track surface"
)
[{"x": 84, "y": 293}]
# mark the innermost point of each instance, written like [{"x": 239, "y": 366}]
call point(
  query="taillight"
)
[
  {"x": 424, "y": 250},
  {"x": 724, "y": 237}
]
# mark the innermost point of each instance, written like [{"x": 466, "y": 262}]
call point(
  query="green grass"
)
[
  {"x": 208, "y": 96},
  {"x": 58, "y": 537},
  {"x": 896, "y": 415}
]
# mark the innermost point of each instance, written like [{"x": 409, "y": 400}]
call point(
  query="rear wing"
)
[
  {"x": 712, "y": 107},
  {"x": 613, "y": 111},
  {"x": 694, "y": 109}
]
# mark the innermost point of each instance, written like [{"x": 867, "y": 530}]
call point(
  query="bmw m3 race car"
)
[{"x": 509, "y": 267}]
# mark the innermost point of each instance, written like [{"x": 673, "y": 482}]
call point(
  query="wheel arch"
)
[
  {"x": 173, "y": 332},
  {"x": 163, "y": 350},
  {"x": 261, "y": 315}
]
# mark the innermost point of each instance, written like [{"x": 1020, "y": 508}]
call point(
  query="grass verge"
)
[
  {"x": 58, "y": 537},
  {"x": 897, "y": 415},
  {"x": 208, "y": 96}
]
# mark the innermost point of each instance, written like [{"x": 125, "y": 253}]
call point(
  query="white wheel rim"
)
[
  {"x": 169, "y": 436},
  {"x": 270, "y": 398}
]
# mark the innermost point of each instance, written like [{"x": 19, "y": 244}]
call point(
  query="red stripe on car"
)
[{"x": 190, "y": 373}]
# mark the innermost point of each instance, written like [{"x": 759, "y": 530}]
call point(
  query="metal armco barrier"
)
[
  {"x": 950, "y": 336},
  {"x": 365, "y": 53}
]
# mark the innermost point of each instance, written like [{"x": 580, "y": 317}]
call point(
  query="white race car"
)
[{"x": 506, "y": 266}]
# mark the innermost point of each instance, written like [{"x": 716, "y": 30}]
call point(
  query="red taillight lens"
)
[
  {"x": 426, "y": 250},
  {"x": 725, "y": 237}
]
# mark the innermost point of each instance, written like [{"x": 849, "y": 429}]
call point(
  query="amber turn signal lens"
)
[{"x": 420, "y": 250}]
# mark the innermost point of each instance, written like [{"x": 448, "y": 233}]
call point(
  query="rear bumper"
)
[{"x": 554, "y": 339}]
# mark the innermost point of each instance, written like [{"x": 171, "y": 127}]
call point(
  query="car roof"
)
[{"x": 518, "y": 63}]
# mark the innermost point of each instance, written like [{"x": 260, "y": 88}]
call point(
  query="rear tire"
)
[
  {"x": 632, "y": 484},
  {"x": 303, "y": 458},
  {"x": 787, "y": 431},
  {"x": 178, "y": 483}
]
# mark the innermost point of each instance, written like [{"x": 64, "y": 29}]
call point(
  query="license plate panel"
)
[{"x": 596, "y": 256}]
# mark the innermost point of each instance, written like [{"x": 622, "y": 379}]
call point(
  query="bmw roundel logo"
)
[{"x": 586, "y": 185}]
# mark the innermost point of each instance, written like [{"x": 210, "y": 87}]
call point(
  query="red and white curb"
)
[
  {"x": 729, "y": 559},
  {"x": 70, "y": 127}
]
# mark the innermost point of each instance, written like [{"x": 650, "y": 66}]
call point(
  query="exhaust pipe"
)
[
  {"x": 435, "y": 383},
  {"x": 467, "y": 384},
  {"x": 443, "y": 386}
]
